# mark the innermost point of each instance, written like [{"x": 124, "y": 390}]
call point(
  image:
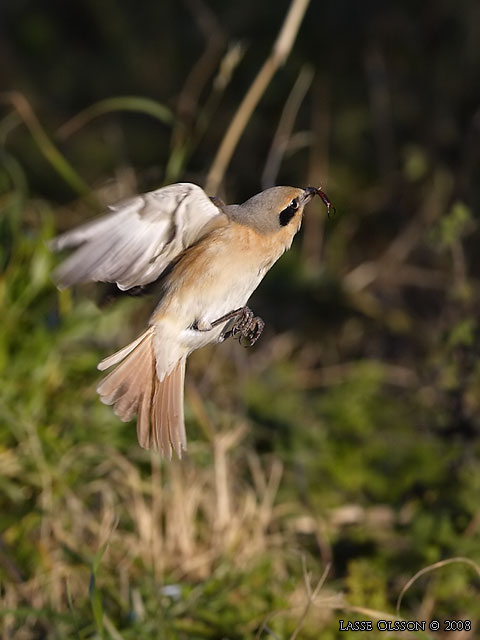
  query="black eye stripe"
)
[{"x": 287, "y": 214}]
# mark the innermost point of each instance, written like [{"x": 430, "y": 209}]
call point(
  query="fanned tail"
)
[{"x": 134, "y": 387}]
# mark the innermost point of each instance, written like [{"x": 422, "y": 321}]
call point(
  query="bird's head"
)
[{"x": 275, "y": 209}]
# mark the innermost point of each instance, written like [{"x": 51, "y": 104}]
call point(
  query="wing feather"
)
[{"x": 138, "y": 240}]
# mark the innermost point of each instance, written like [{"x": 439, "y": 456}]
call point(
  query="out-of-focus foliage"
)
[{"x": 347, "y": 440}]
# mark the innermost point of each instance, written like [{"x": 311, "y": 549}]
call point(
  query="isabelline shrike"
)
[{"x": 216, "y": 256}]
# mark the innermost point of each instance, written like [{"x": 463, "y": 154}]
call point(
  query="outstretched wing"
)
[{"x": 135, "y": 243}]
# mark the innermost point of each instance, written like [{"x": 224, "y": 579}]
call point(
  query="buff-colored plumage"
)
[{"x": 219, "y": 255}]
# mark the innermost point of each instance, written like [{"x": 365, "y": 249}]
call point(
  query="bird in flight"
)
[{"x": 212, "y": 257}]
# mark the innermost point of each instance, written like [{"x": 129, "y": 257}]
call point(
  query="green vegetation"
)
[{"x": 338, "y": 457}]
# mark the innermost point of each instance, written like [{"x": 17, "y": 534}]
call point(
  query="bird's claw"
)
[
  {"x": 247, "y": 326},
  {"x": 255, "y": 330}
]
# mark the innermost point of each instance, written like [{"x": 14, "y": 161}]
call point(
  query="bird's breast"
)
[{"x": 216, "y": 276}]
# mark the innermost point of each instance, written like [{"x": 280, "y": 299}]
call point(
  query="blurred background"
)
[{"x": 339, "y": 457}]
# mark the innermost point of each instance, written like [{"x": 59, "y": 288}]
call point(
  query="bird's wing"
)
[{"x": 137, "y": 241}]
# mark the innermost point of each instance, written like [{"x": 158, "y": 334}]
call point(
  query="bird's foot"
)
[
  {"x": 252, "y": 331},
  {"x": 245, "y": 325}
]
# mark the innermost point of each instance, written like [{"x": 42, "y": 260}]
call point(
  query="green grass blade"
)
[
  {"x": 120, "y": 103},
  {"x": 72, "y": 611},
  {"x": 45, "y": 145},
  {"x": 95, "y": 599}
]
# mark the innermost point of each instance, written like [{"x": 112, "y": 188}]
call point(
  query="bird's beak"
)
[{"x": 308, "y": 194}]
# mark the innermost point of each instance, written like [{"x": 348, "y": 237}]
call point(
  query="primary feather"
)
[{"x": 137, "y": 241}]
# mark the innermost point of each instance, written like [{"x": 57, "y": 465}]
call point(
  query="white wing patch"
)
[{"x": 137, "y": 241}]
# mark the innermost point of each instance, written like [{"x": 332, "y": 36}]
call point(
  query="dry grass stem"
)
[
  {"x": 404, "y": 243},
  {"x": 314, "y": 224},
  {"x": 312, "y": 595},
  {"x": 204, "y": 67},
  {"x": 279, "y": 54},
  {"x": 434, "y": 567},
  {"x": 285, "y": 126},
  {"x": 381, "y": 110}
]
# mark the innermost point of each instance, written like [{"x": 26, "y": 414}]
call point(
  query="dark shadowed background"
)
[{"x": 338, "y": 457}]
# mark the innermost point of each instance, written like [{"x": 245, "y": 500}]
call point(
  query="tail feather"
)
[
  {"x": 177, "y": 431},
  {"x": 145, "y": 412},
  {"x": 133, "y": 387},
  {"x": 162, "y": 426},
  {"x": 120, "y": 355},
  {"x": 155, "y": 440}
]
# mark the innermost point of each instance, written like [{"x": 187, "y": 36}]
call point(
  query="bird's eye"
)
[{"x": 288, "y": 213}]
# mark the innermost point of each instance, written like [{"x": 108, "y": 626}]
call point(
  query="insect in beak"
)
[{"x": 310, "y": 192}]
